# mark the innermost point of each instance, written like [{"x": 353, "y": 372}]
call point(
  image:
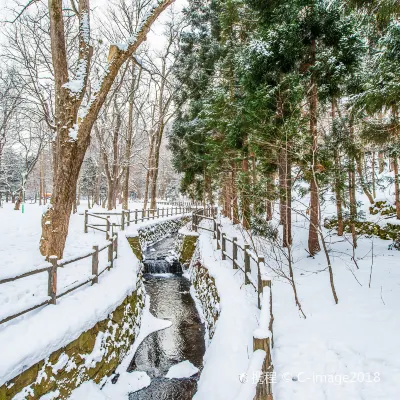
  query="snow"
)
[
  {"x": 132, "y": 381},
  {"x": 184, "y": 369},
  {"x": 344, "y": 351},
  {"x": 248, "y": 388},
  {"x": 227, "y": 356},
  {"x": 51, "y": 396},
  {"x": 187, "y": 232},
  {"x": 88, "y": 390}
]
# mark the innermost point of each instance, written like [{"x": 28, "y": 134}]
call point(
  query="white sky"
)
[{"x": 155, "y": 38}]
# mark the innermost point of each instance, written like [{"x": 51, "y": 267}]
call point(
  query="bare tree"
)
[{"x": 76, "y": 110}]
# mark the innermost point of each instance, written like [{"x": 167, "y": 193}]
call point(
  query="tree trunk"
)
[
  {"x": 373, "y": 175},
  {"x": 69, "y": 154},
  {"x": 245, "y": 193},
  {"x": 208, "y": 188},
  {"x": 338, "y": 182},
  {"x": 352, "y": 190},
  {"x": 235, "y": 205},
  {"x": 313, "y": 243},
  {"x": 381, "y": 162},
  {"x": 156, "y": 163},
  {"x": 270, "y": 196},
  {"x": 286, "y": 195},
  {"x": 41, "y": 179},
  {"x": 149, "y": 173},
  {"x": 18, "y": 202},
  {"x": 97, "y": 190},
  {"x": 362, "y": 180},
  {"x": 128, "y": 148},
  {"x": 338, "y": 193},
  {"x": 396, "y": 185}
]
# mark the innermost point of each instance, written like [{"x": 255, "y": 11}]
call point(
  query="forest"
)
[{"x": 268, "y": 130}]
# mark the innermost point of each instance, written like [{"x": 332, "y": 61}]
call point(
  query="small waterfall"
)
[{"x": 162, "y": 266}]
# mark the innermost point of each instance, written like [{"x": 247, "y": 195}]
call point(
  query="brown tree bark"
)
[
  {"x": 128, "y": 147},
  {"x": 338, "y": 186},
  {"x": 313, "y": 243},
  {"x": 69, "y": 154},
  {"x": 156, "y": 163},
  {"x": 286, "y": 195},
  {"x": 396, "y": 185},
  {"x": 362, "y": 180},
  {"x": 381, "y": 162},
  {"x": 352, "y": 189},
  {"x": 235, "y": 205},
  {"x": 373, "y": 174},
  {"x": 245, "y": 193}
]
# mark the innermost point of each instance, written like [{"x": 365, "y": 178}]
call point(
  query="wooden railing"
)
[
  {"x": 52, "y": 267},
  {"x": 127, "y": 217},
  {"x": 263, "y": 338},
  {"x": 180, "y": 203}
]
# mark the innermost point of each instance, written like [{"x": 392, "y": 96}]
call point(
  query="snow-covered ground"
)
[
  {"x": 75, "y": 312},
  {"x": 343, "y": 351},
  {"x": 228, "y": 354}
]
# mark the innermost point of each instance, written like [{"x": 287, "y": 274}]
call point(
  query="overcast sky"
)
[{"x": 154, "y": 38}]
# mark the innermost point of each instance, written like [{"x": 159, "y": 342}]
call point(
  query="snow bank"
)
[
  {"x": 227, "y": 356},
  {"x": 53, "y": 327},
  {"x": 88, "y": 390},
  {"x": 184, "y": 369}
]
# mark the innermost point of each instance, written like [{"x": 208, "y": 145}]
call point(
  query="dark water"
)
[{"x": 184, "y": 340}]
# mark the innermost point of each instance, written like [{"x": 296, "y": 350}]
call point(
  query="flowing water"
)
[{"x": 184, "y": 340}]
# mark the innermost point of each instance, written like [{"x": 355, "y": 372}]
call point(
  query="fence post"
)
[
  {"x": 265, "y": 283},
  {"x": 162, "y": 212},
  {"x": 158, "y": 212},
  {"x": 123, "y": 220},
  {"x": 223, "y": 247},
  {"x": 52, "y": 283},
  {"x": 115, "y": 242},
  {"x": 113, "y": 230},
  {"x": 95, "y": 265},
  {"x": 86, "y": 221},
  {"x": 259, "y": 282},
  {"x": 167, "y": 211},
  {"x": 129, "y": 218},
  {"x": 246, "y": 264},
  {"x": 218, "y": 236},
  {"x": 110, "y": 255},
  {"x": 108, "y": 228},
  {"x": 234, "y": 252},
  {"x": 264, "y": 389},
  {"x": 214, "y": 229},
  {"x": 194, "y": 222},
  {"x": 136, "y": 211}
]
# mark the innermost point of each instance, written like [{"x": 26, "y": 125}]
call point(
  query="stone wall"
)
[
  {"x": 154, "y": 232},
  {"x": 94, "y": 355},
  {"x": 206, "y": 292}
]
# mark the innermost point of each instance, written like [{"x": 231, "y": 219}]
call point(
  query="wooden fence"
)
[
  {"x": 52, "y": 267},
  {"x": 263, "y": 338},
  {"x": 128, "y": 217}
]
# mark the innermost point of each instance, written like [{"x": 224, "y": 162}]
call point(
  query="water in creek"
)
[{"x": 184, "y": 340}]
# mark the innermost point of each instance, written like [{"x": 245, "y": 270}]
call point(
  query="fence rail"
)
[
  {"x": 262, "y": 338},
  {"x": 52, "y": 269},
  {"x": 131, "y": 216}
]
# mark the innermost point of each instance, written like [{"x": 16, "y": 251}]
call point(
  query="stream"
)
[{"x": 170, "y": 299}]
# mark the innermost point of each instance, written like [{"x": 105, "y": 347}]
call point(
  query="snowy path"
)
[
  {"x": 230, "y": 350},
  {"x": 344, "y": 351}
]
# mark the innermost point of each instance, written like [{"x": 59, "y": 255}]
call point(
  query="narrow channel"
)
[{"x": 170, "y": 299}]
